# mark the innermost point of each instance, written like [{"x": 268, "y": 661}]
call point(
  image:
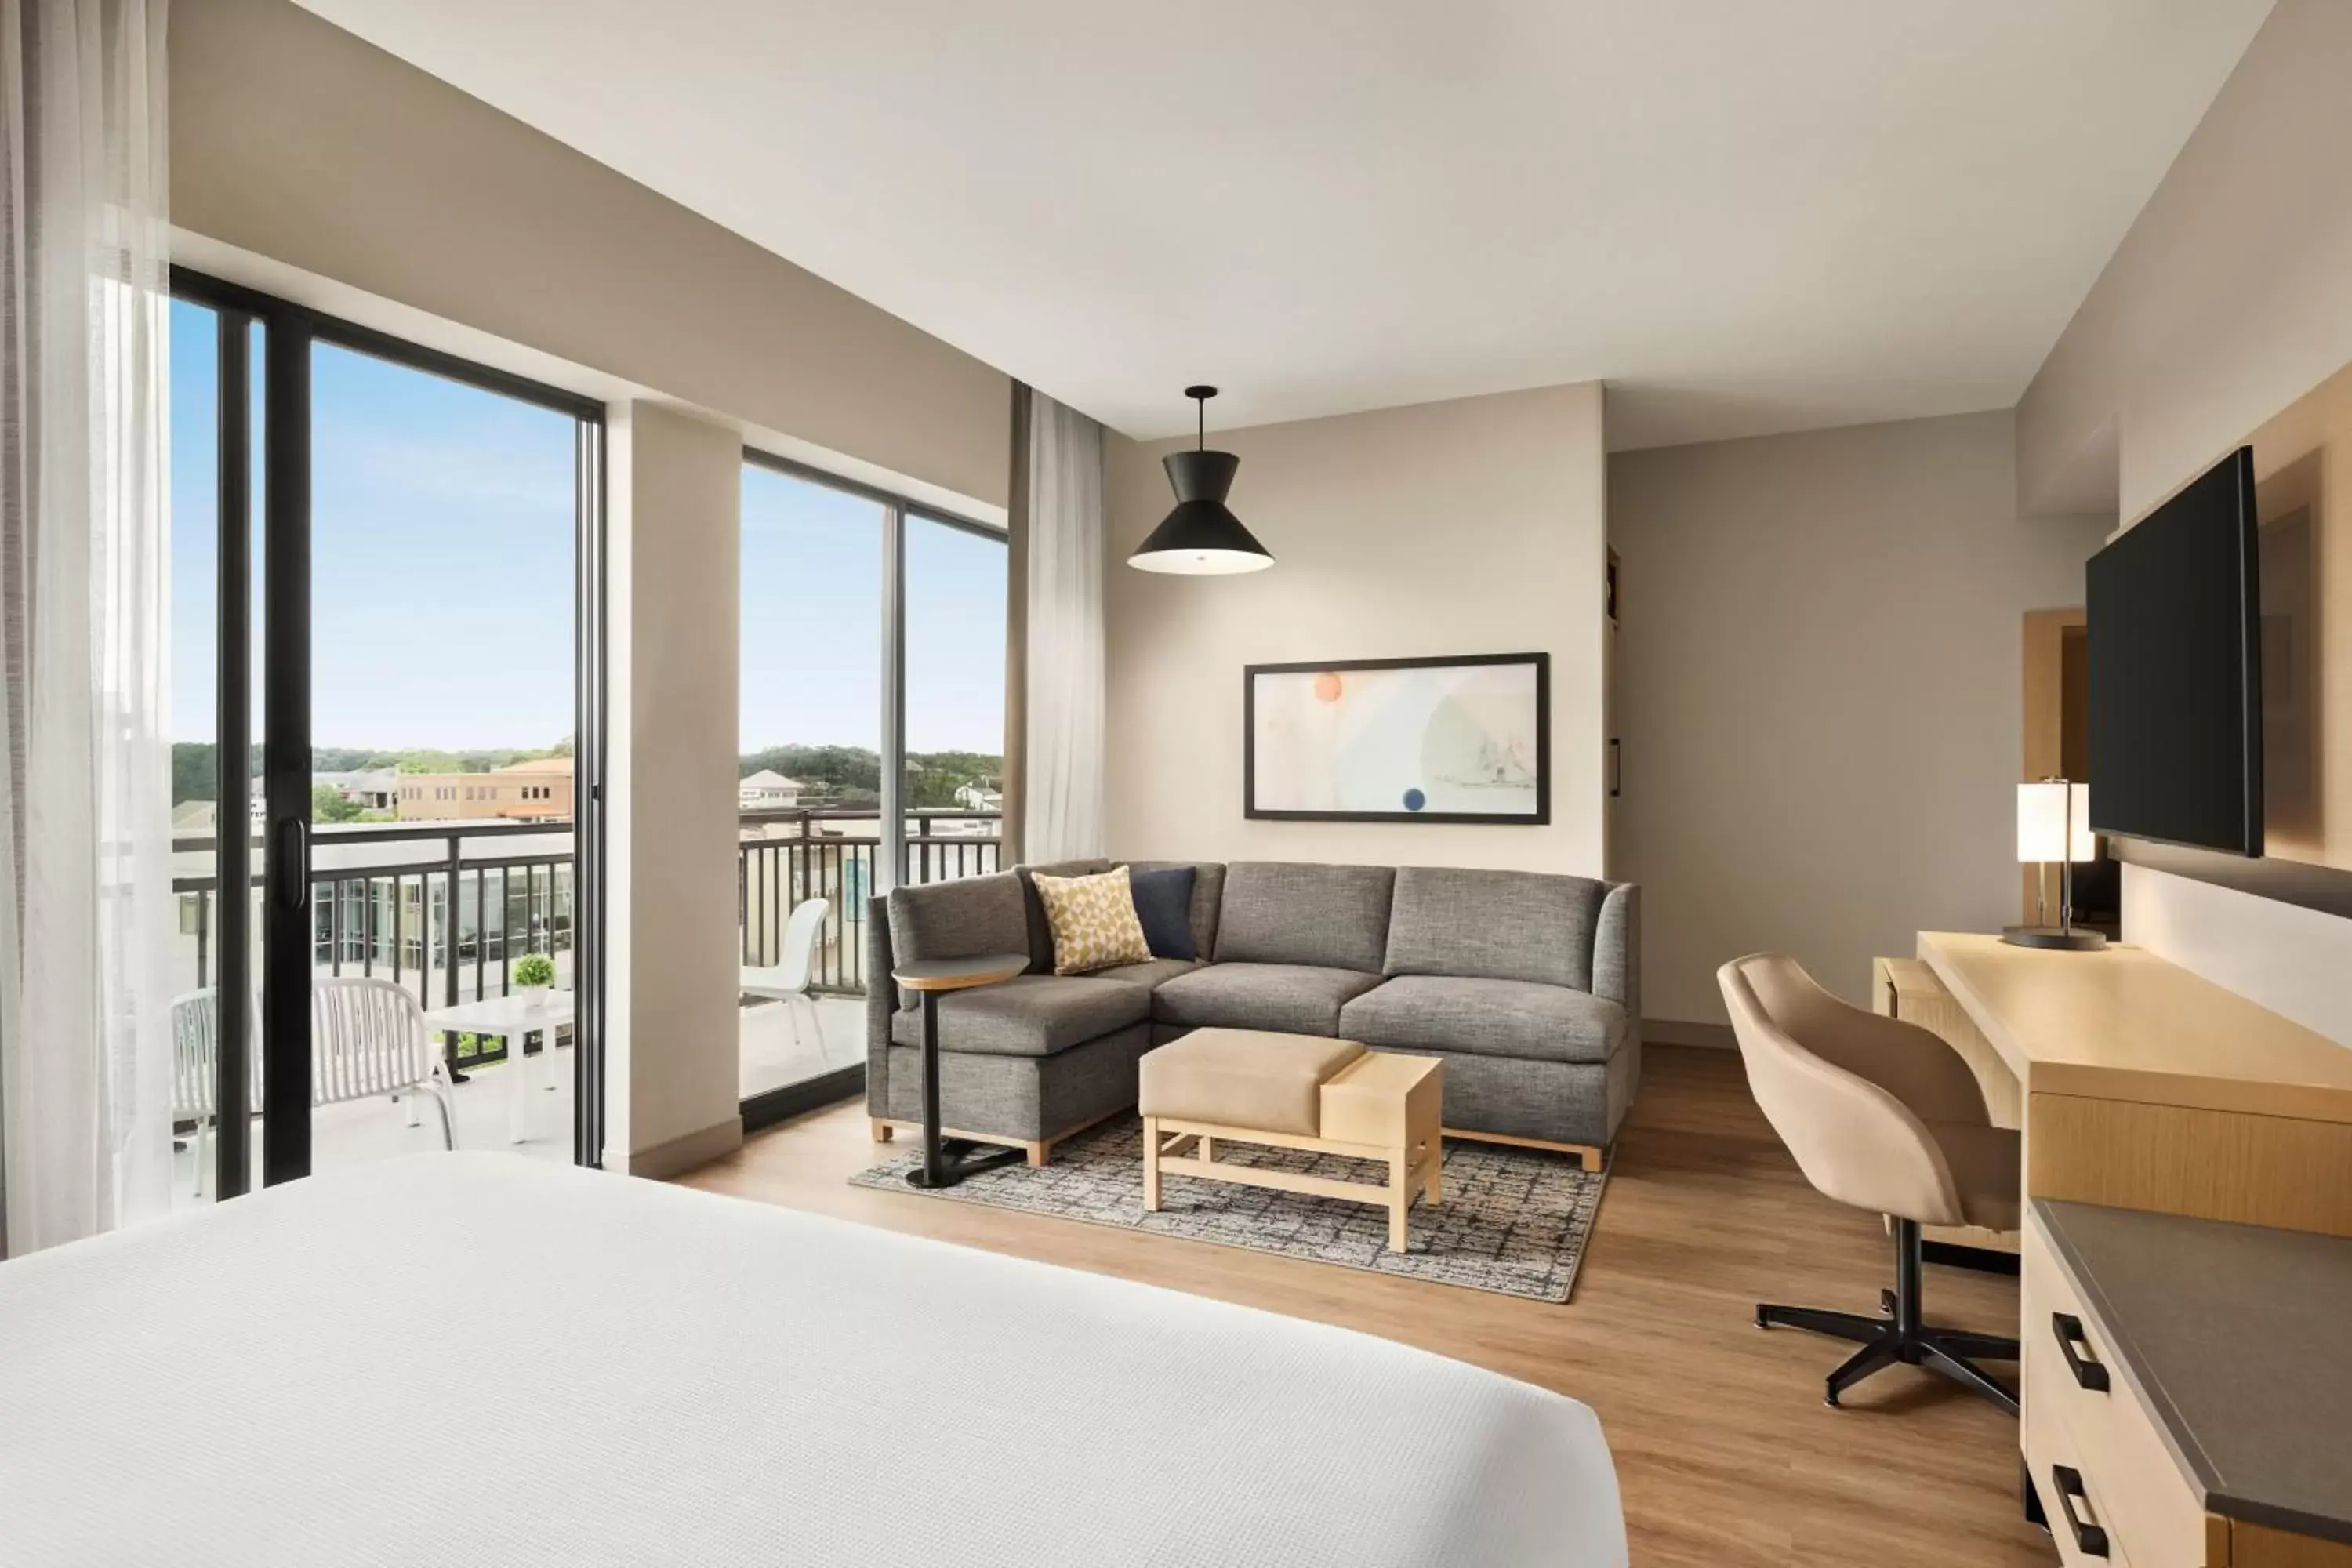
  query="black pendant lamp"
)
[{"x": 1200, "y": 538}]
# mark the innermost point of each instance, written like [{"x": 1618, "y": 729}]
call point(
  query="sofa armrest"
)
[
  {"x": 1617, "y": 951},
  {"x": 881, "y": 996}
]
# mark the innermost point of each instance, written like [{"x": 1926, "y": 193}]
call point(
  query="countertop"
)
[
  {"x": 2239, "y": 1339},
  {"x": 2123, "y": 1024}
]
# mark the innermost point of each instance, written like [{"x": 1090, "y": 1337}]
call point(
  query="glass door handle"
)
[{"x": 291, "y": 875}]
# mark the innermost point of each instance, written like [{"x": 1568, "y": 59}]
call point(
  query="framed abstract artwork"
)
[{"x": 1467, "y": 738}]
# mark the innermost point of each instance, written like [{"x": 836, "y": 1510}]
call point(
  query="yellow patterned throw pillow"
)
[{"x": 1094, "y": 921}]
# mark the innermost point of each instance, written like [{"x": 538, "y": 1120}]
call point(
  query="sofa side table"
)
[{"x": 946, "y": 1164}]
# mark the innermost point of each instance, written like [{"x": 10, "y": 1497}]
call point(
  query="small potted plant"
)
[{"x": 534, "y": 972}]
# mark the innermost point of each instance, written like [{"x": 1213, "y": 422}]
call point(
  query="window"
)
[
  {"x": 955, "y": 698},
  {"x": 833, "y": 578},
  {"x": 468, "y": 496}
]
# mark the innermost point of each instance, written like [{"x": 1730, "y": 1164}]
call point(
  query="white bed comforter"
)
[{"x": 482, "y": 1358}]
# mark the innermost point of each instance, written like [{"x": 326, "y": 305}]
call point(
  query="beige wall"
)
[
  {"x": 2229, "y": 300},
  {"x": 1819, "y": 692},
  {"x": 1473, "y": 526},
  {"x": 2231, "y": 296},
  {"x": 294, "y": 140},
  {"x": 673, "y": 548}
]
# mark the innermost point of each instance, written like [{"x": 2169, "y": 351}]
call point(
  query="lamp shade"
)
[
  {"x": 2053, "y": 822},
  {"x": 1200, "y": 538}
]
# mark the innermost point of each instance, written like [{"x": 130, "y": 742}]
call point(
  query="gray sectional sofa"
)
[{"x": 1526, "y": 985}]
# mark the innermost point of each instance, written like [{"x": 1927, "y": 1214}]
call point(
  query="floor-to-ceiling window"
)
[
  {"x": 386, "y": 580},
  {"x": 873, "y": 679},
  {"x": 955, "y": 698},
  {"x": 443, "y": 557},
  {"x": 205, "y": 828},
  {"x": 809, "y": 799}
]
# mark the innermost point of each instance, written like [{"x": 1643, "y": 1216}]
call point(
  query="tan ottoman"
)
[{"x": 1295, "y": 1091}]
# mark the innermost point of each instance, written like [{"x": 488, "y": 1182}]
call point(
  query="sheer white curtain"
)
[
  {"x": 86, "y": 904},
  {"x": 1062, "y": 801}
]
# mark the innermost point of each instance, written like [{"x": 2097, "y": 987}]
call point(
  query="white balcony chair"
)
[
  {"x": 195, "y": 1070},
  {"x": 368, "y": 1039},
  {"x": 788, "y": 982}
]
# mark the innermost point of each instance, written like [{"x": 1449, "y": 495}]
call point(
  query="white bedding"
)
[{"x": 482, "y": 1358}]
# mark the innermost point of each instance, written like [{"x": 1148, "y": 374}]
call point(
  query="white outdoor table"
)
[{"x": 511, "y": 1018}]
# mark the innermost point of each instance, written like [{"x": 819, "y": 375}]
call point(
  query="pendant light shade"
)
[{"x": 1200, "y": 537}]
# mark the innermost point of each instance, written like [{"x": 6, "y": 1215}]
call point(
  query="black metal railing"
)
[
  {"x": 450, "y": 924},
  {"x": 449, "y": 928},
  {"x": 787, "y": 856}
]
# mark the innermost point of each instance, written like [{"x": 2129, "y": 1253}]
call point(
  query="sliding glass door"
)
[
  {"x": 214, "y": 412},
  {"x": 872, "y": 725},
  {"x": 421, "y": 767},
  {"x": 808, "y": 800}
]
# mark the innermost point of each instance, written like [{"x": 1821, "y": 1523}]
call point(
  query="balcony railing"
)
[
  {"x": 442, "y": 909},
  {"x": 786, "y": 856},
  {"x": 445, "y": 909}
]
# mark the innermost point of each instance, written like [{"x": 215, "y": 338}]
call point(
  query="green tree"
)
[{"x": 328, "y": 805}]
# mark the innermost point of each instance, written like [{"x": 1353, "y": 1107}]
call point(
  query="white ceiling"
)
[{"x": 1746, "y": 218}]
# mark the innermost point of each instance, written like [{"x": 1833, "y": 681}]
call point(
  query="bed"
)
[{"x": 481, "y": 1359}]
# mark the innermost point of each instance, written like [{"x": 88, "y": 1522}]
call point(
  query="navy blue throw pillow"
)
[{"x": 1163, "y": 905}]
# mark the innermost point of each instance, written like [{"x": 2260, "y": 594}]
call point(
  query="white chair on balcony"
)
[
  {"x": 196, "y": 1070},
  {"x": 788, "y": 982},
  {"x": 368, "y": 1041}
]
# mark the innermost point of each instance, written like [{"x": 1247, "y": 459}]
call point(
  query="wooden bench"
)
[{"x": 1295, "y": 1091}]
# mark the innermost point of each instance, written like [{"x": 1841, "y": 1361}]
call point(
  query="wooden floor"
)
[{"x": 1725, "y": 1451}]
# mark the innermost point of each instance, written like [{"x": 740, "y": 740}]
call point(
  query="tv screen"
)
[{"x": 2175, "y": 705}]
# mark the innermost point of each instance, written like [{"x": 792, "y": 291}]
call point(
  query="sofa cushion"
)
[
  {"x": 1242, "y": 1078},
  {"x": 1163, "y": 904},
  {"x": 1485, "y": 1018},
  {"x": 966, "y": 919},
  {"x": 1293, "y": 997},
  {"x": 1494, "y": 925},
  {"x": 1208, "y": 892},
  {"x": 1041, "y": 929},
  {"x": 1027, "y": 1015},
  {"x": 1327, "y": 917},
  {"x": 1151, "y": 975}
]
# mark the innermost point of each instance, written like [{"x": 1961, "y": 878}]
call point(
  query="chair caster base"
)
[
  {"x": 1898, "y": 1335},
  {"x": 1889, "y": 1340}
]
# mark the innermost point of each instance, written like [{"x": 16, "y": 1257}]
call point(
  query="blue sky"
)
[
  {"x": 441, "y": 578},
  {"x": 813, "y": 624}
]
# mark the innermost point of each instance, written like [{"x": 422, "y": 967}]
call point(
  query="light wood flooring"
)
[{"x": 1724, "y": 1451}]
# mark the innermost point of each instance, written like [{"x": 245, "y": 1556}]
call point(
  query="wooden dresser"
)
[
  {"x": 2189, "y": 1389},
  {"x": 2189, "y": 1171}
]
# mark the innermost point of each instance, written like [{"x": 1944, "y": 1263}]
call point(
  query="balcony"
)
[{"x": 445, "y": 909}]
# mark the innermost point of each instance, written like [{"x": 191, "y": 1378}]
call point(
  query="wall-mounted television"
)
[{"x": 2176, "y": 699}]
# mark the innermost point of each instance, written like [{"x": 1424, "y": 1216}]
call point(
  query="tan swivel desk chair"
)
[{"x": 1883, "y": 1115}]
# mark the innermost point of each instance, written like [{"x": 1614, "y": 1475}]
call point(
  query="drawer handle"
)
[
  {"x": 2089, "y": 1539},
  {"x": 2088, "y": 1373}
]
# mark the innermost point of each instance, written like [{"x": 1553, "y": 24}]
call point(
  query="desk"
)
[
  {"x": 2147, "y": 1086},
  {"x": 510, "y": 1018}
]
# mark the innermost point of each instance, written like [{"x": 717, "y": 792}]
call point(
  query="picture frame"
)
[{"x": 1458, "y": 739}]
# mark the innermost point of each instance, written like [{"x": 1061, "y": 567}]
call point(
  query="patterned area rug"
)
[{"x": 1513, "y": 1221}]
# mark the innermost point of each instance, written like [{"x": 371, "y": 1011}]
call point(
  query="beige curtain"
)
[{"x": 1062, "y": 765}]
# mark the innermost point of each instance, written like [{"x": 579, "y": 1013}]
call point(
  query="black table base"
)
[
  {"x": 951, "y": 1159},
  {"x": 946, "y": 1162}
]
